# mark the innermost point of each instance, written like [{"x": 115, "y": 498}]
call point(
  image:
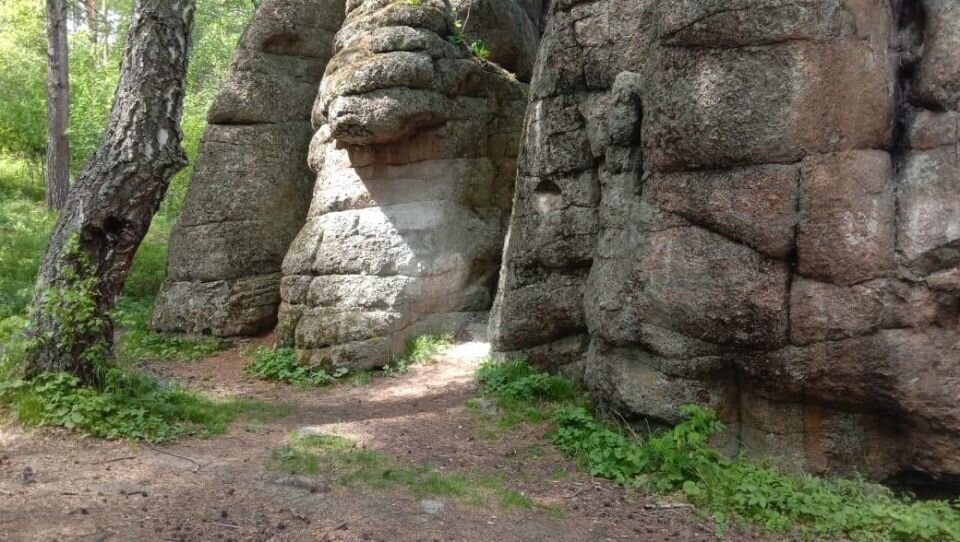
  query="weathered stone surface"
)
[
  {"x": 251, "y": 186},
  {"x": 244, "y": 306},
  {"x": 938, "y": 78},
  {"x": 415, "y": 156},
  {"x": 929, "y": 235},
  {"x": 751, "y": 205},
  {"x": 846, "y": 230},
  {"x": 281, "y": 57}
]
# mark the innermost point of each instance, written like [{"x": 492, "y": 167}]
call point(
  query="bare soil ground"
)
[{"x": 58, "y": 486}]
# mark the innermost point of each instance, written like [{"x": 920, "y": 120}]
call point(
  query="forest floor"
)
[{"x": 57, "y": 486}]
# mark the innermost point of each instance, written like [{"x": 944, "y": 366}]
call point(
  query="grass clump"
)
[
  {"x": 681, "y": 461},
  {"x": 418, "y": 350},
  {"x": 127, "y": 405},
  {"x": 346, "y": 463},
  {"x": 283, "y": 365}
]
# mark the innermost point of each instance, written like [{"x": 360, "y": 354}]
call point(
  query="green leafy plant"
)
[
  {"x": 681, "y": 461},
  {"x": 128, "y": 405},
  {"x": 283, "y": 365},
  {"x": 479, "y": 50},
  {"x": 70, "y": 303}
]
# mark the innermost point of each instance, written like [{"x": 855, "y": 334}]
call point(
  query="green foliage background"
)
[
  {"x": 126, "y": 404},
  {"x": 93, "y": 79}
]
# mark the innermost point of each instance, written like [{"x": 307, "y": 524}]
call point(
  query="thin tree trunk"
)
[
  {"x": 106, "y": 31},
  {"x": 115, "y": 196},
  {"x": 90, "y": 10},
  {"x": 58, "y": 105}
]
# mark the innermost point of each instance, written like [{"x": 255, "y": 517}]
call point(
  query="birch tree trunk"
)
[
  {"x": 58, "y": 105},
  {"x": 115, "y": 196}
]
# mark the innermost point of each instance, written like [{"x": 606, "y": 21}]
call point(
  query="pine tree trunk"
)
[
  {"x": 90, "y": 10},
  {"x": 115, "y": 196},
  {"x": 58, "y": 105}
]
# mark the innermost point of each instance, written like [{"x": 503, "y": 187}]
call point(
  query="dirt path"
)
[{"x": 55, "y": 486}]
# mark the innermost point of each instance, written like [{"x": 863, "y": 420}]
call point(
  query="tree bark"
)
[
  {"x": 115, "y": 196},
  {"x": 90, "y": 11},
  {"x": 58, "y": 105}
]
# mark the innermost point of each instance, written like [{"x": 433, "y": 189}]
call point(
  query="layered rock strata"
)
[
  {"x": 251, "y": 185},
  {"x": 415, "y": 156},
  {"x": 753, "y": 205}
]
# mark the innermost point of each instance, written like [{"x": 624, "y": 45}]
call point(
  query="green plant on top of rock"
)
[{"x": 479, "y": 50}]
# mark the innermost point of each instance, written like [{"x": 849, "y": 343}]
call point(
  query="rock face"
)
[
  {"x": 251, "y": 185},
  {"x": 415, "y": 155},
  {"x": 753, "y": 205}
]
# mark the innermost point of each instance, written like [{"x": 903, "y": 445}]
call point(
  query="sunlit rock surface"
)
[{"x": 415, "y": 156}]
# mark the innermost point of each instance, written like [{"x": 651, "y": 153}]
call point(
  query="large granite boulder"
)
[
  {"x": 251, "y": 186},
  {"x": 415, "y": 155},
  {"x": 753, "y": 205}
]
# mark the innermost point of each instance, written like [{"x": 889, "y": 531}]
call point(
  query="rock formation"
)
[
  {"x": 753, "y": 205},
  {"x": 251, "y": 186},
  {"x": 415, "y": 154}
]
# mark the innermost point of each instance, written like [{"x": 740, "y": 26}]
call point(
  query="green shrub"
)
[
  {"x": 282, "y": 365},
  {"x": 522, "y": 381},
  {"x": 128, "y": 405},
  {"x": 148, "y": 269},
  {"x": 681, "y": 460}
]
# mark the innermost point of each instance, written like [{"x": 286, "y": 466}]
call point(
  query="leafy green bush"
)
[
  {"x": 282, "y": 365},
  {"x": 607, "y": 453},
  {"x": 129, "y": 405},
  {"x": 522, "y": 381},
  {"x": 681, "y": 460}
]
